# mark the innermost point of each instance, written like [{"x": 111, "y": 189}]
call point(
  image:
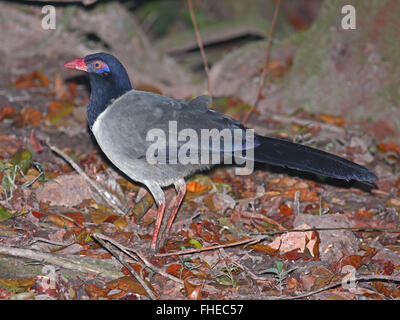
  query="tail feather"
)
[{"x": 295, "y": 156}]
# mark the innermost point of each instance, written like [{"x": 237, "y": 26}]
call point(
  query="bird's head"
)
[
  {"x": 108, "y": 80},
  {"x": 104, "y": 70}
]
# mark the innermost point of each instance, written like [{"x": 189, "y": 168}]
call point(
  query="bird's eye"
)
[{"x": 97, "y": 65}]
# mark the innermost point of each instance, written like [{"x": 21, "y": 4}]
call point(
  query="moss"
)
[
  {"x": 11, "y": 268},
  {"x": 351, "y": 72}
]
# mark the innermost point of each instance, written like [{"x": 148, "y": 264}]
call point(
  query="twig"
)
[
  {"x": 232, "y": 244},
  {"x": 145, "y": 261},
  {"x": 261, "y": 237},
  {"x": 264, "y": 71},
  {"x": 56, "y": 243},
  {"x": 200, "y": 44},
  {"x": 337, "y": 284},
  {"x": 126, "y": 265},
  {"x": 106, "y": 196}
]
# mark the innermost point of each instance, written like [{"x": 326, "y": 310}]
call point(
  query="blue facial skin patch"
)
[{"x": 99, "y": 67}]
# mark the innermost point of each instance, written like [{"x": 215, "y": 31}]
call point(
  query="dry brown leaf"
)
[
  {"x": 300, "y": 241},
  {"x": 32, "y": 80},
  {"x": 285, "y": 210},
  {"x": 264, "y": 248},
  {"x": 7, "y": 112},
  {"x": 259, "y": 216},
  {"x": 120, "y": 222},
  {"x": 61, "y": 222},
  {"x": 58, "y": 110},
  {"x": 327, "y": 118},
  {"x": 196, "y": 187},
  {"x": 31, "y": 117},
  {"x": 98, "y": 216},
  {"x": 69, "y": 219},
  {"x": 36, "y": 145},
  {"x": 306, "y": 195},
  {"x": 148, "y": 88},
  {"x": 389, "y": 147},
  {"x": 323, "y": 277},
  {"x": 193, "y": 292},
  {"x": 179, "y": 271}
]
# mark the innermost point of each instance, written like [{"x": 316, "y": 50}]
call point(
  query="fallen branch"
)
[
  {"x": 126, "y": 265},
  {"x": 113, "y": 202},
  {"x": 141, "y": 257},
  {"x": 74, "y": 263}
]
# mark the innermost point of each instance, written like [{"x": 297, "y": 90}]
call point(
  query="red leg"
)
[
  {"x": 159, "y": 198},
  {"x": 160, "y": 214},
  {"x": 180, "y": 187}
]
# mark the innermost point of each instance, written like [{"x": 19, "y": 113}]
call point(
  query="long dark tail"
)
[{"x": 296, "y": 156}]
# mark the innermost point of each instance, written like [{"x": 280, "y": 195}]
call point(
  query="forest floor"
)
[{"x": 273, "y": 234}]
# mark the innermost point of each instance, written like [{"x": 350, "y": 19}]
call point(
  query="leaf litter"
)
[{"x": 48, "y": 208}]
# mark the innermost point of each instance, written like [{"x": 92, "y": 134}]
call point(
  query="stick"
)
[
  {"x": 126, "y": 265},
  {"x": 263, "y": 236},
  {"x": 232, "y": 244},
  {"x": 200, "y": 44},
  {"x": 337, "y": 284},
  {"x": 76, "y": 264},
  {"x": 106, "y": 196},
  {"x": 145, "y": 261},
  {"x": 264, "y": 71}
]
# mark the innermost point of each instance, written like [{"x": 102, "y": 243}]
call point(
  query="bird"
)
[{"x": 121, "y": 117}]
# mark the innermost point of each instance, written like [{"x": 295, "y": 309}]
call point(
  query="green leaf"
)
[
  {"x": 22, "y": 158},
  {"x": 270, "y": 270},
  {"x": 226, "y": 280},
  {"x": 5, "y": 214},
  {"x": 195, "y": 243},
  {"x": 279, "y": 266}
]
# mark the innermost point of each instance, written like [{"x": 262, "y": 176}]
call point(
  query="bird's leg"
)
[
  {"x": 180, "y": 187},
  {"x": 159, "y": 198},
  {"x": 160, "y": 214}
]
